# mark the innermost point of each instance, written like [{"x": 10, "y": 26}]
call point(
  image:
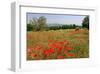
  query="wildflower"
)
[
  {"x": 59, "y": 49},
  {"x": 60, "y": 57},
  {"x": 65, "y": 51},
  {"x": 70, "y": 54},
  {"x": 68, "y": 48},
  {"x": 46, "y": 52},
  {"x": 37, "y": 47},
  {"x": 33, "y": 55},
  {"x": 51, "y": 50},
  {"x": 28, "y": 50}
]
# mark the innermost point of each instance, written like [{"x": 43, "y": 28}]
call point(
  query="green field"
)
[{"x": 69, "y": 43}]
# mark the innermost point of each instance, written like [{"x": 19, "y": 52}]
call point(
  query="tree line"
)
[{"x": 40, "y": 24}]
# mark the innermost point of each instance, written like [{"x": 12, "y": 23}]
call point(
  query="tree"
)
[
  {"x": 85, "y": 23},
  {"x": 38, "y": 24},
  {"x": 34, "y": 23},
  {"x": 74, "y": 26},
  {"x": 42, "y": 23}
]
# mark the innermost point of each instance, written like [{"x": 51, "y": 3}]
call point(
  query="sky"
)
[{"x": 58, "y": 18}]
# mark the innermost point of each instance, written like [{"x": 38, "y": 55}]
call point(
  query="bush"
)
[{"x": 29, "y": 27}]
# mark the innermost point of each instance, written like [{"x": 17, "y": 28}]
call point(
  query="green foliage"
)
[
  {"x": 74, "y": 26},
  {"x": 41, "y": 23},
  {"x": 46, "y": 28},
  {"x": 29, "y": 27},
  {"x": 63, "y": 27},
  {"x": 85, "y": 23}
]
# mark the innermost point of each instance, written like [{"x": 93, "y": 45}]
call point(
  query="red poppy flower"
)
[
  {"x": 68, "y": 48},
  {"x": 61, "y": 42},
  {"x": 51, "y": 50},
  {"x": 46, "y": 52},
  {"x": 60, "y": 57},
  {"x": 70, "y": 55},
  {"x": 33, "y": 55},
  {"x": 51, "y": 44},
  {"x": 65, "y": 51},
  {"x": 28, "y": 50},
  {"x": 50, "y": 41},
  {"x": 59, "y": 49},
  {"x": 38, "y": 47}
]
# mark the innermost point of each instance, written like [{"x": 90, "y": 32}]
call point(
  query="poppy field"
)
[{"x": 57, "y": 44}]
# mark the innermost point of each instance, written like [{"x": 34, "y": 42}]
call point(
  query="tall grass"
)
[{"x": 78, "y": 41}]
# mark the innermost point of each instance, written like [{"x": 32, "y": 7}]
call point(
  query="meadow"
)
[{"x": 57, "y": 44}]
